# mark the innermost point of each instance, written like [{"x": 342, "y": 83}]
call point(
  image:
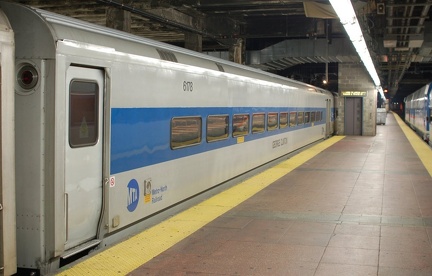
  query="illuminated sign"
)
[{"x": 354, "y": 93}]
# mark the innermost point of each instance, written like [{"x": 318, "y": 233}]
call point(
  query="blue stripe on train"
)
[{"x": 141, "y": 136}]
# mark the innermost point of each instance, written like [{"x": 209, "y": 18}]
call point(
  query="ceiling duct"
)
[
  {"x": 415, "y": 40},
  {"x": 390, "y": 41},
  {"x": 292, "y": 52}
]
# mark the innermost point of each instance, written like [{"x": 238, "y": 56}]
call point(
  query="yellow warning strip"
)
[
  {"x": 125, "y": 257},
  {"x": 422, "y": 149}
]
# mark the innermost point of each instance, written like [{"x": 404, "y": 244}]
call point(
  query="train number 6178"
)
[{"x": 188, "y": 86}]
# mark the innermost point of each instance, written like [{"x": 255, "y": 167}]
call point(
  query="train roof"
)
[
  {"x": 44, "y": 29},
  {"x": 420, "y": 93}
]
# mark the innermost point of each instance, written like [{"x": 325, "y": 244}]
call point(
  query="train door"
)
[
  {"x": 8, "y": 257},
  {"x": 428, "y": 110},
  {"x": 83, "y": 167},
  {"x": 328, "y": 117}
]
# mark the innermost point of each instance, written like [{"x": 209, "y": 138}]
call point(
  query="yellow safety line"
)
[
  {"x": 125, "y": 257},
  {"x": 422, "y": 149}
]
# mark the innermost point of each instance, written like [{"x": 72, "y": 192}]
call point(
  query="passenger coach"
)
[
  {"x": 418, "y": 111},
  {"x": 112, "y": 129}
]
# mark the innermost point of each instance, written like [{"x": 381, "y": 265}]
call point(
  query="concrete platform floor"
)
[{"x": 361, "y": 207}]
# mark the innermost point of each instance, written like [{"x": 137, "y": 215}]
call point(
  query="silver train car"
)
[
  {"x": 111, "y": 129},
  {"x": 418, "y": 111}
]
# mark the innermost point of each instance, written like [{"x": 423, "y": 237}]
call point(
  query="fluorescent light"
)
[
  {"x": 348, "y": 18},
  {"x": 380, "y": 90}
]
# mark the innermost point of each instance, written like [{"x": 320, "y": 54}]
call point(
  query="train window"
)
[
  {"x": 307, "y": 117},
  {"x": 217, "y": 127},
  {"x": 185, "y": 131},
  {"x": 83, "y": 113},
  {"x": 258, "y": 123},
  {"x": 312, "y": 117},
  {"x": 240, "y": 125},
  {"x": 293, "y": 119},
  {"x": 300, "y": 118},
  {"x": 283, "y": 120},
  {"x": 319, "y": 116},
  {"x": 272, "y": 121}
]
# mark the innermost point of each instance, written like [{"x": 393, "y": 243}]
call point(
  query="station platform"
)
[{"x": 354, "y": 205}]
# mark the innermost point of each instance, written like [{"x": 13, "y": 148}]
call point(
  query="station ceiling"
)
[{"x": 296, "y": 39}]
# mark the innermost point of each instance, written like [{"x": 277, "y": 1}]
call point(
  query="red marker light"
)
[{"x": 27, "y": 77}]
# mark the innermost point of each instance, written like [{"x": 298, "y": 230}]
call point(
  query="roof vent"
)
[
  {"x": 220, "y": 67},
  {"x": 165, "y": 55}
]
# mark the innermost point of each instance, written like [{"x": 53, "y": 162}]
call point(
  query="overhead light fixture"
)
[
  {"x": 402, "y": 49},
  {"x": 381, "y": 92},
  {"x": 348, "y": 18},
  {"x": 380, "y": 8}
]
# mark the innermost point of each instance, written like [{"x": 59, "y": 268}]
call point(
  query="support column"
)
[
  {"x": 193, "y": 42},
  {"x": 353, "y": 77},
  {"x": 236, "y": 52},
  {"x": 118, "y": 19}
]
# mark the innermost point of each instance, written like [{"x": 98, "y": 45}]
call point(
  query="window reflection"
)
[
  {"x": 83, "y": 113},
  {"x": 272, "y": 121},
  {"x": 185, "y": 131},
  {"x": 240, "y": 125},
  {"x": 217, "y": 127},
  {"x": 258, "y": 124},
  {"x": 283, "y": 120},
  {"x": 293, "y": 119}
]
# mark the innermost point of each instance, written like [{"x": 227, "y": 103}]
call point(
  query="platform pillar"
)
[
  {"x": 118, "y": 19},
  {"x": 236, "y": 52},
  {"x": 193, "y": 42},
  {"x": 357, "y": 100}
]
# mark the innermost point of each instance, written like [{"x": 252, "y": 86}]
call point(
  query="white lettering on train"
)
[{"x": 132, "y": 196}]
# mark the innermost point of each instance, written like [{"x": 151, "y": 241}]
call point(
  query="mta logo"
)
[{"x": 133, "y": 195}]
